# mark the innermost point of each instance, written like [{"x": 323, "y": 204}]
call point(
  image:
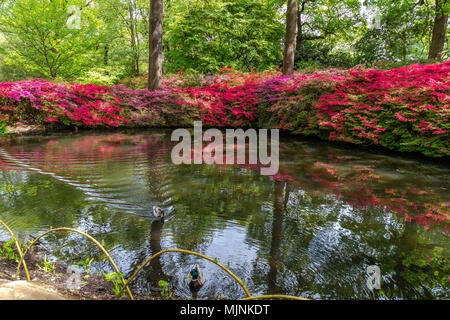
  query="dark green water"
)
[{"x": 311, "y": 231}]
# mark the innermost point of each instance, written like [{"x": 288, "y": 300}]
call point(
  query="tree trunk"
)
[
  {"x": 105, "y": 55},
  {"x": 439, "y": 31},
  {"x": 300, "y": 24},
  {"x": 155, "y": 54},
  {"x": 291, "y": 34},
  {"x": 133, "y": 50},
  {"x": 134, "y": 41}
]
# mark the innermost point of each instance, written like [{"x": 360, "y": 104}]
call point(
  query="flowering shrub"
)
[
  {"x": 405, "y": 109},
  {"x": 44, "y": 102},
  {"x": 159, "y": 108}
]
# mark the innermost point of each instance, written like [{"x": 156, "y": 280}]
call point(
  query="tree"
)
[
  {"x": 439, "y": 30},
  {"x": 392, "y": 37},
  {"x": 38, "y": 33},
  {"x": 324, "y": 29},
  {"x": 408, "y": 31},
  {"x": 127, "y": 22},
  {"x": 291, "y": 36},
  {"x": 321, "y": 19},
  {"x": 155, "y": 53},
  {"x": 206, "y": 36}
]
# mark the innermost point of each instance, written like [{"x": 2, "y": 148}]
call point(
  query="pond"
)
[{"x": 311, "y": 231}]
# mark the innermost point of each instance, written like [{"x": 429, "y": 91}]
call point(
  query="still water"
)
[{"x": 310, "y": 231}]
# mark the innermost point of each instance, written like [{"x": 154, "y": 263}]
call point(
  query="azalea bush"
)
[
  {"x": 43, "y": 102},
  {"x": 161, "y": 108},
  {"x": 405, "y": 109}
]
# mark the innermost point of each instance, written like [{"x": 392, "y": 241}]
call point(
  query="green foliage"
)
[
  {"x": 125, "y": 36},
  {"x": 47, "y": 266},
  {"x": 313, "y": 55},
  {"x": 37, "y": 33},
  {"x": 8, "y": 251},
  {"x": 116, "y": 279},
  {"x": 3, "y": 125},
  {"x": 325, "y": 29},
  {"x": 206, "y": 36},
  {"x": 107, "y": 76},
  {"x": 401, "y": 34},
  {"x": 433, "y": 270},
  {"x": 86, "y": 264},
  {"x": 166, "y": 292},
  {"x": 14, "y": 67}
]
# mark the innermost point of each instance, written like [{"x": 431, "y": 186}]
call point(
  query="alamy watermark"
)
[
  {"x": 374, "y": 277},
  {"x": 74, "y": 281},
  {"x": 216, "y": 153},
  {"x": 74, "y": 20}
]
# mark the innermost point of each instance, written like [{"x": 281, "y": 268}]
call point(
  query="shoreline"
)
[{"x": 93, "y": 286}]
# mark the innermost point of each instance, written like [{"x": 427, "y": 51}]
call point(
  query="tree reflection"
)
[
  {"x": 277, "y": 233},
  {"x": 156, "y": 271}
]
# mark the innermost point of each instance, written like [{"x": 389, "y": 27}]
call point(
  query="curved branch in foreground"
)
[
  {"x": 192, "y": 253},
  {"x": 19, "y": 250},
  {"x": 85, "y": 235}
]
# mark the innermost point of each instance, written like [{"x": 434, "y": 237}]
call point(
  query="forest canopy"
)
[{"x": 111, "y": 41}]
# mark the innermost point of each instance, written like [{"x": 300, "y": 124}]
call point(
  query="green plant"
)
[
  {"x": 86, "y": 264},
  {"x": 101, "y": 76},
  {"x": 166, "y": 292},
  {"x": 8, "y": 252},
  {"x": 3, "y": 126},
  {"x": 116, "y": 279},
  {"x": 47, "y": 266}
]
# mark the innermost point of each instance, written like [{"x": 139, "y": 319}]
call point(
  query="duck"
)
[
  {"x": 197, "y": 278},
  {"x": 158, "y": 212}
]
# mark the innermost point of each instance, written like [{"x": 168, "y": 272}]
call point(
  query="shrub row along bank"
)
[{"x": 404, "y": 109}]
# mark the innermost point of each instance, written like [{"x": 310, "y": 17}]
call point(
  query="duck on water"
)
[
  {"x": 158, "y": 212},
  {"x": 197, "y": 278}
]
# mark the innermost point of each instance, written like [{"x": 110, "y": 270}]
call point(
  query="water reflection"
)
[
  {"x": 156, "y": 270},
  {"x": 312, "y": 230},
  {"x": 277, "y": 233}
]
